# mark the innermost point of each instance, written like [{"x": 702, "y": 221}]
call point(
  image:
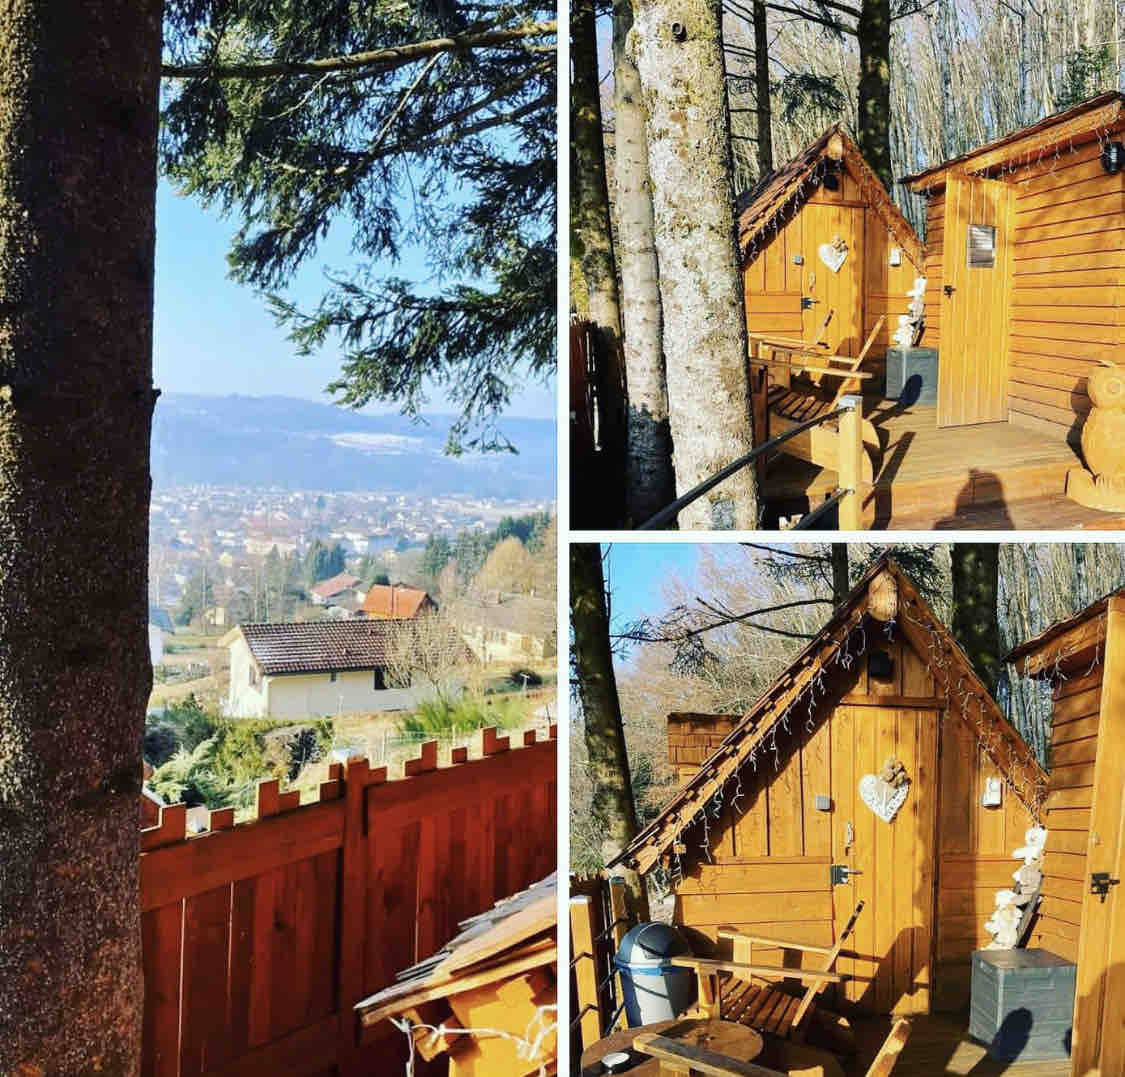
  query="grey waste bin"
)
[
  {"x": 652, "y": 988},
  {"x": 912, "y": 375}
]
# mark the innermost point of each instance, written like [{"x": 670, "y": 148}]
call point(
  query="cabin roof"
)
[
  {"x": 953, "y": 674},
  {"x": 1080, "y": 123},
  {"x": 1040, "y": 658},
  {"x": 518, "y": 931},
  {"x": 784, "y": 191}
]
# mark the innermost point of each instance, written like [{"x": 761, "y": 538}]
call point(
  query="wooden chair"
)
[
  {"x": 679, "y": 1058},
  {"x": 789, "y": 405},
  {"x": 764, "y": 1006}
]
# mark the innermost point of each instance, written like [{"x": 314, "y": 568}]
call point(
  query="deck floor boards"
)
[
  {"x": 939, "y": 1045},
  {"x": 988, "y": 476}
]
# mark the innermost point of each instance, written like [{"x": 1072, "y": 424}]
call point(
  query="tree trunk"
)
[
  {"x": 841, "y": 585},
  {"x": 678, "y": 52},
  {"x": 590, "y": 225},
  {"x": 975, "y": 569},
  {"x": 649, "y": 482},
  {"x": 613, "y": 804},
  {"x": 78, "y": 124},
  {"x": 874, "y": 33},
  {"x": 762, "y": 90}
]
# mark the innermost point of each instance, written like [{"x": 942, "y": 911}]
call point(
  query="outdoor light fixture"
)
[
  {"x": 880, "y": 665},
  {"x": 1113, "y": 157}
]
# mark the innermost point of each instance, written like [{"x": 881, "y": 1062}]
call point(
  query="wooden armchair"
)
[
  {"x": 764, "y": 1006},
  {"x": 679, "y": 1058}
]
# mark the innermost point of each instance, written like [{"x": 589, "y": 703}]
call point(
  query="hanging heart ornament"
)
[
  {"x": 881, "y": 797},
  {"x": 833, "y": 255}
]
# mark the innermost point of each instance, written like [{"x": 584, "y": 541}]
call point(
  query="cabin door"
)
[
  {"x": 889, "y": 960},
  {"x": 832, "y": 276},
  {"x": 973, "y": 360}
]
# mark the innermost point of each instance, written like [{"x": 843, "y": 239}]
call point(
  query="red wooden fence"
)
[{"x": 260, "y": 938}]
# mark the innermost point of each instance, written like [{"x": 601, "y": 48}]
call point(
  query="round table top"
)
[{"x": 724, "y": 1037}]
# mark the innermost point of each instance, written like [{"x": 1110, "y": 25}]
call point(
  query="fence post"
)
[
  {"x": 851, "y": 462},
  {"x": 583, "y": 955}
]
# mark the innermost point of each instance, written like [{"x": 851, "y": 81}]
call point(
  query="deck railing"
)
[
  {"x": 259, "y": 938},
  {"x": 846, "y": 495}
]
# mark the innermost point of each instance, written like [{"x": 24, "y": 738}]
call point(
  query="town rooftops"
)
[
  {"x": 317, "y": 646},
  {"x": 1082, "y": 123},
  {"x": 395, "y": 601},
  {"x": 342, "y": 581},
  {"x": 524, "y": 614},
  {"x": 772, "y": 201}
]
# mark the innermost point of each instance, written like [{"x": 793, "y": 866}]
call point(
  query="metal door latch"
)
[
  {"x": 841, "y": 873},
  {"x": 1100, "y": 882},
  {"x": 949, "y": 289},
  {"x": 807, "y": 302}
]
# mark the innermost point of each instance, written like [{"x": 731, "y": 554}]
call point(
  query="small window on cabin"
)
[
  {"x": 380, "y": 681},
  {"x": 332, "y": 677},
  {"x": 982, "y": 246}
]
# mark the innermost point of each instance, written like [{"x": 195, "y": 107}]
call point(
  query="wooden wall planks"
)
[{"x": 322, "y": 905}]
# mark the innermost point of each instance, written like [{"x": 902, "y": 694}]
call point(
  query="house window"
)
[
  {"x": 982, "y": 246},
  {"x": 380, "y": 681},
  {"x": 253, "y": 675},
  {"x": 332, "y": 677}
]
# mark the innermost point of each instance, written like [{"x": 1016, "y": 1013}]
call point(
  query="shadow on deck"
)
[
  {"x": 939, "y": 1044},
  {"x": 992, "y": 476}
]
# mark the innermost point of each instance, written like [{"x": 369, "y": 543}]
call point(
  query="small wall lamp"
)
[{"x": 1113, "y": 157}]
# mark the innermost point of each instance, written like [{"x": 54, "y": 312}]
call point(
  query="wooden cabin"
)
[
  {"x": 1024, "y": 262},
  {"x": 827, "y": 195},
  {"x": 496, "y": 981},
  {"x": 772, "y": 835},
  {"x": 1081, "y": 918}
]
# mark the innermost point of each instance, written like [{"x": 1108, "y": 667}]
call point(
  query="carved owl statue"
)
[{"x": 1103, "y": 435}]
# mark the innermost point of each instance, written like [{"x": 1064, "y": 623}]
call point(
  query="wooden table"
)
[{"x": 725, "y": 1037}]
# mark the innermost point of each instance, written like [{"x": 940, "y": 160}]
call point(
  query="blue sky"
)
[{"x": 215, "y": 336}]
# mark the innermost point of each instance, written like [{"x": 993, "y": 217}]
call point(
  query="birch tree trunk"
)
[
  {"x": 78, "y": 123},
  {"x": 762, "y": 90},
  {"x": 874, "y": 33},
  {"x": 613, "y": 805},
  {"x": 678, "y": 52},
  {"x": 649, "y": 483},
  {"x": 590, "y": 224}
]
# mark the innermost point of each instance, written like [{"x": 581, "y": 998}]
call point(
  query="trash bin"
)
[
  {"x": 912, "y": 375},
  {"x": 652, "y": 988}
]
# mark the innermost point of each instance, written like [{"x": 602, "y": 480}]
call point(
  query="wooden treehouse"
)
[
  {"x": 1024, "y": 262},
  {"x": 835, "y": 853}
]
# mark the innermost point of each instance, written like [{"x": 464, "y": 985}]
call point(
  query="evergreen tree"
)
[{"x": 294, "y": 117}]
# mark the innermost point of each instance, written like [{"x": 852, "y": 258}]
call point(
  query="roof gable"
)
[
  {"x": 778, "y": 196},
  {"x": 884, "y": 595},
  {"x": 335, "y": 584},
  {"x": 1073, "y": 126},
  {"x": 395, "y": 601}
]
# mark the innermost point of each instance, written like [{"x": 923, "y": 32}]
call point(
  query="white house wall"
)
[{"x": 318, "y": 696}]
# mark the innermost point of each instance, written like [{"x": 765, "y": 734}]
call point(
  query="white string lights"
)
[{"x": 529, "y": 1046}]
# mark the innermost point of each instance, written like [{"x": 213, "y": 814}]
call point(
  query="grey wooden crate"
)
[
  {"x": 1022, "y": 1004},
  {"x": 912, "y": 375}
]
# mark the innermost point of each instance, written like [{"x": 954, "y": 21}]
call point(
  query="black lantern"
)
[{"x": 1113, "y": 157}]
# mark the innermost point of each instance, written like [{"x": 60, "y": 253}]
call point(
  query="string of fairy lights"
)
[{"x": 994, "y": 736}]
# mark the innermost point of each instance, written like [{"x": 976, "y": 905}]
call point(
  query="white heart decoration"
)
[
  {"x": 882, "y": 798},
  {"x": 831, "y": 256}
]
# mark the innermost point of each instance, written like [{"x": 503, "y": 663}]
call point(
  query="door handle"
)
[{"x": 949, "y": 289}]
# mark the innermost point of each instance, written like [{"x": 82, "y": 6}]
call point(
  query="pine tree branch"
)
[{"x": 384, "y": 59}]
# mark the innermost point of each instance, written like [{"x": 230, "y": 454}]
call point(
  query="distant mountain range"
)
[{"x": 303, "y": 445}]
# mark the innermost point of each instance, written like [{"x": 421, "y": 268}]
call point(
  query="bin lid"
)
[{"x": 651, "y": 944}]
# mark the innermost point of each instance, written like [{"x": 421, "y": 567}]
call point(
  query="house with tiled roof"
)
[
  {"x": 341, "y": 587},
  {"x": 396, "y": 602},
  {"x": 319, "y": 669}
]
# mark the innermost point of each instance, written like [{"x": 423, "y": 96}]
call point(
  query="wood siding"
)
[
  {"x": 1068, "y": 275},
  {"x": 866, "y": 286},
  {"x": 934, "y": 269}
]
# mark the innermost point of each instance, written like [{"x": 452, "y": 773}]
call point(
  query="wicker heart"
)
[
  {"x": 832, "y": 256},
  {"x": 882, "y": 798}
]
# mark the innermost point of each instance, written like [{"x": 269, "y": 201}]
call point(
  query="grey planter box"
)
[
  {"x": 912, "y": 375},
  {"x": 1022, "y": 1004}
]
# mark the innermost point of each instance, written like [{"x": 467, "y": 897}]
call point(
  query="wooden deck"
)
[
  {"x": 992, "y": 476},
  {"x": 940, "y": 1044}
]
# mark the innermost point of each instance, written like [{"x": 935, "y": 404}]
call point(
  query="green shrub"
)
[{"x": 444, "y": 718}]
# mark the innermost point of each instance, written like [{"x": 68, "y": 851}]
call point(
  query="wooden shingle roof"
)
[
  {"x": 954, "y": 677},
  {"x": 776, "y": 197}
]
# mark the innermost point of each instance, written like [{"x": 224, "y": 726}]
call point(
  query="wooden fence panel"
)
[{"x": 259, "y": 938}]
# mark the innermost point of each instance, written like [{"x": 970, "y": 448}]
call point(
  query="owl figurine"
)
[{"x": 1103, "y": 435}]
